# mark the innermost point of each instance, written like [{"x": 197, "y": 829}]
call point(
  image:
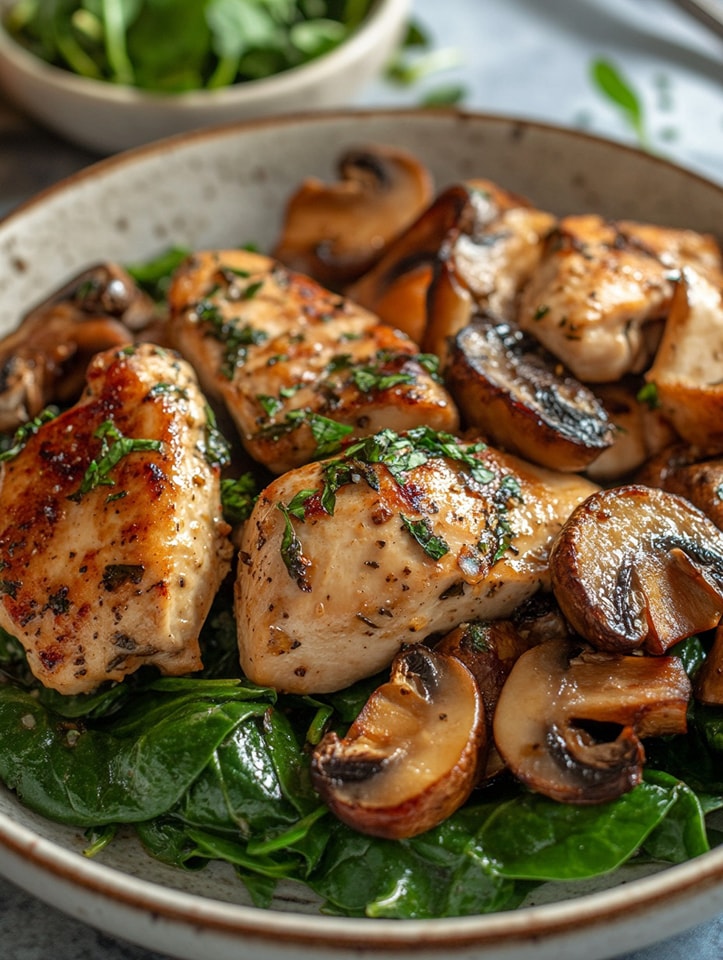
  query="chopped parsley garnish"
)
[
  {"x": 369, "y": 379},
  {"x": 421, "y": 530},
  {"x": 327, "y": 433},
  {"x": 238, "y": 496},
  {"x": 114, "y": 447},
  {"x": 270, "y": 405},
  {"x": 292, "y": 554},
  {"x": 478, "y": 636},
  {"x": 21, "y": 436},
  {"x": 235, "y": 336},
  {"x": 648, "y": 394},
  {"x": 216, "y": 448}
]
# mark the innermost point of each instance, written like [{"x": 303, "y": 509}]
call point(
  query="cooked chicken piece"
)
[
  {"x": 687, "y": 374},
  {"x": 600, "y": 288},
  {"x": 112, "y": 542},
  {"x": 640, "y": 430},
  {"x": 45, "y": 358},
  {"x": 297, "y": 367},
  {"x": 344, "y": 562}
]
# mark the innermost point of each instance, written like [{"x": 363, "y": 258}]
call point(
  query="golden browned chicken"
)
[
  {"x": 112, "y": 542},
  {"x": 601, "y": 286},
  {"x": 344, "y": 562},
  {"x": 298, "y": 367}
]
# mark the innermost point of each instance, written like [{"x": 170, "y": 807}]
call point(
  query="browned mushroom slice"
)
[
  {"x": 489, "y": 650},
  {"x": 555, "y": 706},
  {"x": 487, "y": 238},
  {"x": 687, "y": 373},
  {"x": 45, "y": 358},
  {"x": 395, "y": 289},
  {"x": 683, "y": 470},
  {"x": 335, "y": 232},
  {"x": 506, "y": 384},
  {"x": 413, "y": 755},
  {"x": 634, "y": 567}
]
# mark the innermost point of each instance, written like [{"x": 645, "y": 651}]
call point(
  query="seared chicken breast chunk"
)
[
  {"x": 297, "y": 366},
  {"x": 344, "y": 562},
  {"x": 600, "y": 287},
  {"x": 112, "y": 541}
]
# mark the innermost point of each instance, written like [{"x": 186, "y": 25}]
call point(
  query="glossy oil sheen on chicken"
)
[
  {"x": 281, "y": 352},
  {"x": 344, "y": 562},
  {"x": 112, "y": 543}
]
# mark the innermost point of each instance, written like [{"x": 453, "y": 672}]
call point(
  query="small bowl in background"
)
[{"x": 106, "y": 117}]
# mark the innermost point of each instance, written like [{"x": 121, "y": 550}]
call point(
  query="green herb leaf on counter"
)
[
  {"x": 613, "y": 85},
  {"x": 417, "y": 59}
]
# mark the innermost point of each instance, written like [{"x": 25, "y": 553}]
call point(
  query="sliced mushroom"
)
[
  {"x": 634, "y": 567},
  {"x": 557, "y": 703},
  {"x": 684, "y": 470},
  {"x": 487, "y": 238},
  {"x": 506, "y": 384},
  {"x": 395, "y": 289},
  {"x": 687, "y": 373},
  {"x": 489, "y": 649},
  {"x": 335, "y": 232},
  {"x": 45, "y": 358},
  {"x": 414, "y": 753}
]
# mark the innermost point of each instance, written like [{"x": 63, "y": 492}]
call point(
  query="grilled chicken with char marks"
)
[
  {"x": 600, "y": 288},
  {"x": 344, "y": 562},
  {"x": 112, "y": 542},
  {"x": 286, "y": 356}
]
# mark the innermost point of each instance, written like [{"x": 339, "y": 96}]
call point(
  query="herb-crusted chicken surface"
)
[
  {"x": 297, "y": 366},
  {"x": 345, "y": 561},
  {"x": 112, "y": 543}
]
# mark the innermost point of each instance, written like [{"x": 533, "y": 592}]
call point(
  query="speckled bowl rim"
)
[
  {"x": 362, "y": 41},
  {"x": 670, "y": 891}
]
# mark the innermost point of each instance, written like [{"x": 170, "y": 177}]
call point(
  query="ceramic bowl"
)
[
  {"x": 106, "y": 117},
  {"x": 229, "y": 187}
]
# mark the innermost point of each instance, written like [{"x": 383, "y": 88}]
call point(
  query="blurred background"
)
[{"x": 644, "y": 72}]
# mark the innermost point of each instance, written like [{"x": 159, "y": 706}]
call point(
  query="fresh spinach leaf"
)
[{"x": 531, "y": 837}]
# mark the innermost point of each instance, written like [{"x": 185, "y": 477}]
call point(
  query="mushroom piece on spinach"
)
[
  {"x": 569, "y": 722},
  {"x": 414, "y": 753},
  {"x": 638, "y": 568}
]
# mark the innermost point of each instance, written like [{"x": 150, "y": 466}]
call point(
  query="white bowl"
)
[
  {"x": 107, "y": 117},
  {"x": 227, "y": 187}
]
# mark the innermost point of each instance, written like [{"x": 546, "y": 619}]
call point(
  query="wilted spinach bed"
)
[{"x": 215, "y": 768}]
